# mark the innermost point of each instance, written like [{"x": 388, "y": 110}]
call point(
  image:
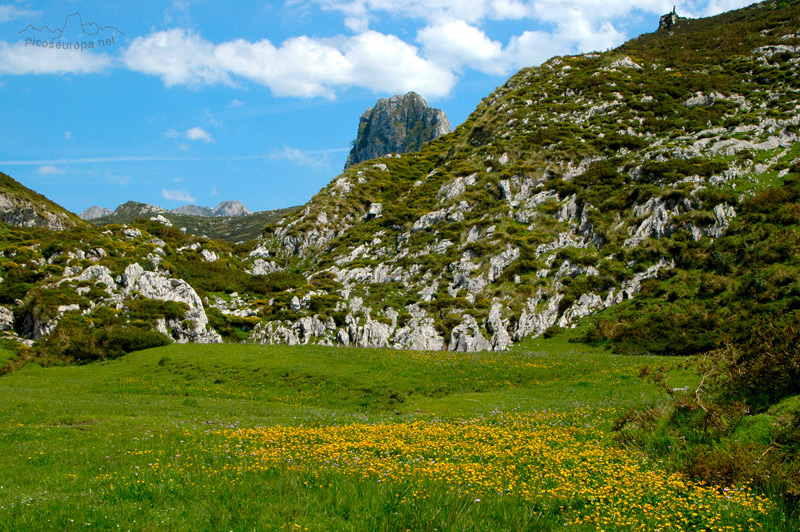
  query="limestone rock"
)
[
  {"x": 467, "y": 337},
  {"x": 263, "y": 267},
  {"x": 209, "y": 256},
  {"x": 6, "y": 319},
  {"x": 501, "y": 340},
  {"x": 419, "y": 335},
  {"x": 398, "y": 124},
  {"x": 152, "y": 285}
]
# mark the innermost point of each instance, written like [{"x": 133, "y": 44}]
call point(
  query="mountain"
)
[
  {"x": 649, "y": 194},
  {"x": 399, "y": 124},
  {"x": 22, "y": 207},
  {"x": 132, "y": 209},
  {"x": 94, "y": 212},
  {"x": 230, "y": 208},
  {"x": 570, "y": 190}
]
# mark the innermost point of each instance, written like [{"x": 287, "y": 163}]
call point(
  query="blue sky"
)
[{"x": 204, "y": 101}]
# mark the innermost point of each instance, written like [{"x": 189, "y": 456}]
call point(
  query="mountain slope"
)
[
  {"x": 563, "y": 192},
  {"x": 22, "y": 207}
]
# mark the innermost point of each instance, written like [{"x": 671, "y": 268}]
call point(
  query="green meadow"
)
[{"x": 245, "y": 437}]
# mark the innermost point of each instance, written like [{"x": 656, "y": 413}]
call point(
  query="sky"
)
[{"x": 200, "y": 101}]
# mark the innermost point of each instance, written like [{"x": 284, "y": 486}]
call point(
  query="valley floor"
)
[{"x": 239, "y": 437}]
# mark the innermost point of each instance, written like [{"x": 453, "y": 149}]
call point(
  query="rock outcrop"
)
[
  {"x": 399, "y": 124},
  {"x": 667, "y": 21}
]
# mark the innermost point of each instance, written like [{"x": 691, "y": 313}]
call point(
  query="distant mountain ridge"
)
[
  {"x": 229, "y": 220},
  {"x": 136, "y": 209}
]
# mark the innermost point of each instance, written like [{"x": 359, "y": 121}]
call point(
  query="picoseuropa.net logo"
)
[{"x": 75, "y": 34}]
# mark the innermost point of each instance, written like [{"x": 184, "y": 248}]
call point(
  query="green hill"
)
[{"x": 22, "y": 207}]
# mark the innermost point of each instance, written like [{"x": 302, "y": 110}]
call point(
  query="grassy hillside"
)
[
  {"x": 562, "y": 192},
  {"x": 22, "y": 206},
  {"x": 247, "y": 437}
]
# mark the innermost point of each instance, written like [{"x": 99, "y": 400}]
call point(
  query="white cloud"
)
[
  {"x": 195, "y": 133},
  {"x": 68, "y": 134},
  {"x": 301, "y": 66},
  {"x": 19, "y": 59},
  {"x": 8, "y": 13},
  {"x": 214, "y": 191},
  {"x": 299, "y": 157},
  {"x": 179, "y": 57},
  {"x": 50, "y": 170},
  {"x": 455, "y": 43},
  {"x": 715, "y": 7},
  {"x": 431, "y": 10},
  {"x": 198, "y": 133},
  {"x": 178, "y": 195},
  {"x": 236, "y": 103}
]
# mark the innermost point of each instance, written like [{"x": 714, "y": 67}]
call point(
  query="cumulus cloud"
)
[
  {"x": 18, "y": 59},
  {"x": 178, "y": 195},
  {"x": 198, "y": 133},
  {"x": 177, "y": 56},
  {"x": 455, "y": 43},
  {"x": 301, "y": 66}
]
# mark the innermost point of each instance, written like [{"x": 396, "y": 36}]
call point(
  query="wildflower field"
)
[{"x": 237, "y": 437}]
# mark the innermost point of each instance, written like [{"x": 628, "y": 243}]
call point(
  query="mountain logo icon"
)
[{"x": 74, "y": 20}]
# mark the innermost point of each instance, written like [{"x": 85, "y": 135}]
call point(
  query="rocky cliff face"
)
[{"x": 399, "y": 124}]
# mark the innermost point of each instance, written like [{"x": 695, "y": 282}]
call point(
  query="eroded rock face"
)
[
  {"x": 22, "y": 213},
  {"x": 398, "y": 124}
]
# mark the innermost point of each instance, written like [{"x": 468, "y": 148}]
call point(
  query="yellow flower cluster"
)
[{"x": 561, "y": 459}]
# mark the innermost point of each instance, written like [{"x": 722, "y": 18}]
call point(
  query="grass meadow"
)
[{"x": 250, "y": 438}]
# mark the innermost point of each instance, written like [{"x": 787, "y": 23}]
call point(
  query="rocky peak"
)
[
  {"x": 398, "y": 124},
  {"x": 230, "y": 208},
  {"x": 94, "y": 212},
  {"x": 668, "y": 20}
]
